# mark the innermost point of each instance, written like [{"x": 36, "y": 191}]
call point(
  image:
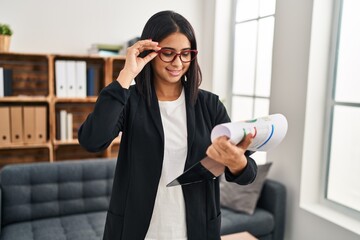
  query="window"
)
[
  {"x": 331, "y": 157},
  {"x": 343, "y": 181},
  {"x": 252, "y": 60}
]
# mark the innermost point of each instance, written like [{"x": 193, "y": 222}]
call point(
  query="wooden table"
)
[{"x": 239, "y": 236}]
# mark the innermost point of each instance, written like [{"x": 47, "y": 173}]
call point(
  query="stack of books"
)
[
  {"x": 102, "y": 49},
  {"x": 105, "y": 49}
]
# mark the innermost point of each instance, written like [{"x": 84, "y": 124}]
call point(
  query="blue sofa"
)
[{"x": 68, "y": 201}]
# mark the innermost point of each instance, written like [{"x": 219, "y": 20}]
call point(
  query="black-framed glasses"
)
[{"x": 169, "y": 55}]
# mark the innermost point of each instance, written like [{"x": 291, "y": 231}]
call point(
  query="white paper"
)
[{"x": 267, "y": 131}]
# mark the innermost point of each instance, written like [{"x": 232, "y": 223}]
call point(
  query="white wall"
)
[
  {"x": 288, "y": 96},
  {"x": 71, "y": 26}
]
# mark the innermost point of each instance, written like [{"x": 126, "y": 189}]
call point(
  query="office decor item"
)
[{"x": 5, "y": 37}]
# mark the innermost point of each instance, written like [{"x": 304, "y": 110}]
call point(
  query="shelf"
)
[
  {"x": 75, "y": 100},
  {"x": 65, "y": 143},
  {"x": 32, "y": 79},
  {"x": 26, "y": 99},
  {"x": 25, "y": 155},
  {"x": 26, "y": 145}
]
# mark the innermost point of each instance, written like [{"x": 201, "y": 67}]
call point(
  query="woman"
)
[{"x": 166, "y": 123}]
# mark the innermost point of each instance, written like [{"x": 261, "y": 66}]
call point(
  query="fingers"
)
[
  {"x": 143, "y": 45},
  {"x": 134, "y": 64},
  {"x": 228, "y": 154},
  {"x": 223, "y": 144},
  {"x": 245, "y": 143},
  {"x": 149, "y": 57},
  {"x": 221, "y": 147}
]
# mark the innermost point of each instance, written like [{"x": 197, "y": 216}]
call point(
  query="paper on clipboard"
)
[{"x": 267, "y": 133}]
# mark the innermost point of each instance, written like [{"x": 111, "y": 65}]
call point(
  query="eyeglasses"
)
[{"x": 169, "y": 55}]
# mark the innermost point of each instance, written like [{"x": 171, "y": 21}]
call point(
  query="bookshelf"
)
[{"x": 34, "y": 86}]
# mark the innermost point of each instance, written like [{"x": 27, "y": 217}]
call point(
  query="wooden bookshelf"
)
[{"x": 33, "y": 84}]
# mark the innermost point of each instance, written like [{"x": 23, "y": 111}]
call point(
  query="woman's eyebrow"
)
[{"x": 170, "y": 48}]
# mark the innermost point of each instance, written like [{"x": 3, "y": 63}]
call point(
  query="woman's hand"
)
[
  {"x": 228, "y": 154},
  {"x": 133, "y": 63}
]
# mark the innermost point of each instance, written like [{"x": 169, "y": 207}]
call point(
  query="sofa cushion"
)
[
  {"x": 261, "y": 223},
  {"x": 243, "y": 198},
  {"x": 77, "y": 227},
  {"x": 42, "y": 190}
]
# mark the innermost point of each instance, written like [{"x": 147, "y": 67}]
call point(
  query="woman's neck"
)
[{"x": 168, "y": 92}]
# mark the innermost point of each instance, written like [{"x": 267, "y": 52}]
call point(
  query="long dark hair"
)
[{"x": 158, "y": 27}]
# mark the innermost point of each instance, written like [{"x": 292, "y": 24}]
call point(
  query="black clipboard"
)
[{"x": 205, "y": 169}]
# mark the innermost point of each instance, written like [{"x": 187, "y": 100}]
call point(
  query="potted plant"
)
[{"x": 5, "y": 36}]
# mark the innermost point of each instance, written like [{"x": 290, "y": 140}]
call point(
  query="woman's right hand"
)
[{"x": 133, "y": 63}]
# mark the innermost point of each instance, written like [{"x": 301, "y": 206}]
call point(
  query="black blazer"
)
[{"x": 140, "y": 160}]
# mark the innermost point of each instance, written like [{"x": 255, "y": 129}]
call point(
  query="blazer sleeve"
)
[
  {"x": 247, "y": 175},
  {"x": 106, "y": 120}
]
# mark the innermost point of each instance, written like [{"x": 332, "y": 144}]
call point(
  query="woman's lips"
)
[{"x": 174, "y": 73}]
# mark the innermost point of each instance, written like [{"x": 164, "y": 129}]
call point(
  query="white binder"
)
[
  {"x": 60, "y": 78},
  {"x": 80, "y": 84},
  {"x": 71, "y": 78}
]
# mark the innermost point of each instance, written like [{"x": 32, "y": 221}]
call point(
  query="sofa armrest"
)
[{"x": 273, "y": 199}]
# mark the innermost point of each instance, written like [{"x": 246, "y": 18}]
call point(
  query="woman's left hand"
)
[{"x": 228, "y": 154}]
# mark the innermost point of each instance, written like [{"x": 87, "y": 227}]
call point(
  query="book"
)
[
  {"x": 69, "y": 126},
  {"x": 267, "y": 132},
  {"x": 90, "y": 81},
  {"x": 8, "y": 79},
  {"x": 104, "y": 49},
  {"x": 107, "y": 46},
  {"x": 63, "y": 125},
  {"x": 1, "y": 82}
]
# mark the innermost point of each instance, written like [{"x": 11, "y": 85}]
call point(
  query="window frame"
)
[
  {"x": 230, "y": 92},
  {"x": 318, "y": 118},
  {"x": 330, "y": 107}
]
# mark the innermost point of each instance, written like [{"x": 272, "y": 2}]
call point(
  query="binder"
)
[
  {"x": 60, "y": 78},
  {"x": 71, "y": 78},
  {"x": 80, "y": 84},
  {"x": 8, "y": 79},
  {"x": 4, "y": 125},
  {"x": 40, "y": 124},
  {"x": 16, "y": 128},
  {"x": 90, "y": 82},
  {"x": 29, "y": 124}
]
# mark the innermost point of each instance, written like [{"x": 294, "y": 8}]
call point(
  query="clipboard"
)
[{"x": 203, "y": 170}]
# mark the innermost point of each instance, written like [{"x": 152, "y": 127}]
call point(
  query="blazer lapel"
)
[
  {"x": 190, "y": 118},
  {"x": 155, "y": 114}
]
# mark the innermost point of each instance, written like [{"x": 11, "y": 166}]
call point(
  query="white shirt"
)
[{"x": 168, "y": 220}]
